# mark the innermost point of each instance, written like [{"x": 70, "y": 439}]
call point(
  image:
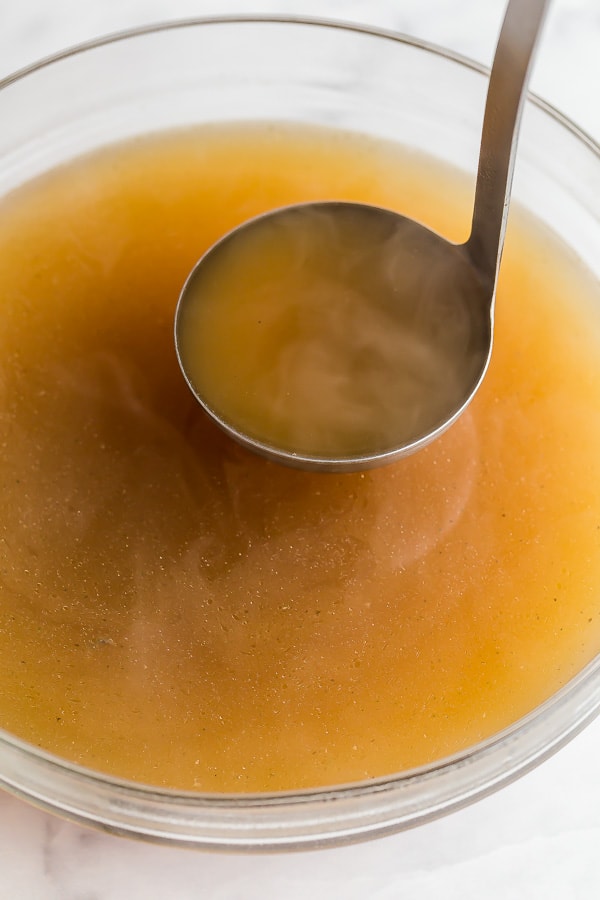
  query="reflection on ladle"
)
[{"x": 341, "y": 336}]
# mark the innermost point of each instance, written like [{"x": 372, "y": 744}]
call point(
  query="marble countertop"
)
[{"x": 537, "y": 838}]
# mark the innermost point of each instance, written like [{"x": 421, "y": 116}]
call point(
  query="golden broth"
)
[{"x": 177, "y": 611}]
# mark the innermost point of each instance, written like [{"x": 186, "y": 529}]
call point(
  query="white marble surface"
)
[{"x": 538, "y": 838}]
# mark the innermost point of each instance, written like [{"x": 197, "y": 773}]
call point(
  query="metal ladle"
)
[{"x": 438, "y": 296}]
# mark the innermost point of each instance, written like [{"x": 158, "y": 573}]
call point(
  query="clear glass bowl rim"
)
[{"x": 318, "y": 817}]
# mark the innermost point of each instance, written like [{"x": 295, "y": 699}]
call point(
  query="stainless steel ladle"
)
[{"x": 441, "y": 293}]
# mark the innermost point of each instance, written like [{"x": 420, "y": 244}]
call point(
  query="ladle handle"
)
[{"x": 506, "y": 94}]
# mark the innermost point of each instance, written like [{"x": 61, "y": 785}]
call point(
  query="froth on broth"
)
[{"x": 177, "y": 611}]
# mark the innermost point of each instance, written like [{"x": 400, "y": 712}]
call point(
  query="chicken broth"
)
[{"x": 177, "y": 611}]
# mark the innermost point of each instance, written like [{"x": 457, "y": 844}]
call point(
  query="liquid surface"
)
[
  {"x": 177, "y": 611},
  {"x": 333, "y": 331}
]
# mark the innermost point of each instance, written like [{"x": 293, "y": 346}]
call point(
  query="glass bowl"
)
[{"x": 357, "y": 79}]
